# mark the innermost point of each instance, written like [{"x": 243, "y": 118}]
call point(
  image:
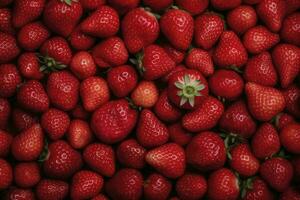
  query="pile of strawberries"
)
[{"x": 149, "y": 99}]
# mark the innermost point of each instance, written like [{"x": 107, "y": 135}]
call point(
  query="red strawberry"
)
[
  {"x": 48, "y": 189},
  {"x": 264, "y": 102},
  {"x": 9, "y": 80},
  {"x": 291, "y": 6},
  {"x": 28, "y": 145},
  {"x": 62, "y": 160},
  {"x": 145, "y": 94},
  {"x": 272, "y": 12},
  {"x": 178, "y": 135},
  {"x": 6, "y": 174},
  {"x": 63, "y": 90},
  {"x": 290, "y": 138},
  {"x": 290, "y": 29},
  {"x": 178, "y": 68},
  {"x": 259, "y": 69},
  {"x": 292, "y": 193},
  {"x": 29, "y": 66},
  {"x": 230, "y": 51},
  {"x": 158, "y": 5},
  {"x": 225, "y": 4},
  {"x": 17, "y": 193},
  {"x": 5, "y": 112},
  {"x": 131, "y": 154},
  {"x": 194, "y": 7},
  {"x": 80, "y": 113},
  {"x": 176, "y": 55},
  {"x": 151, "y": 132},
  {"x": 168, "y": 159},
  {"x": 241, "y": 18},
  {"x": 258, "y": 191},
  {"x": 6, "y": 21},
  {"x": 140, "y": 28},
  {"x": 79, "y": 134},
  {"x": 32, "y": 96},
  {"x": 208, "y": 29},
  {"x": 101, "y": 158},
  {"x": 124, "y": 6},
  {"x": 110, "y": 52},
  {"x": 85, "y": 184},
  {"x": 286, "y": 58},
  {"x": 8, "y": 48},
  {"x": 205, "y": 116},
  {"x": 292, "y": 96},
  {"x": 27, "y": 175},
  {"x": 283, "y": 119},
  {"x": 81, "y": 41},
  {"x": 92, "y": 4},
  {"x": 157, "y": 187},
  {"x": 83, "y": 65},
  {"x": 122, "y": 80},
  {"x": 113, "y": 121},
  {"x": 22, "y": 120},
  {"x": 191, "y": 187},
  {"x": 178, "y": 27},
  {"x": 277, "y": 172},
  {"x": 26, "y": 11},
  {"x": 223, "y": 184},
  {"x": 5, "y": 143}
]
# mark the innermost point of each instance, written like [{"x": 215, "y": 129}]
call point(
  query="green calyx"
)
[
  {"x": 138, "y": 62},
  {"x": 68, "y": 2},
  {"x": 189, "y": 88},
  {"x": 48, "y": 64}
]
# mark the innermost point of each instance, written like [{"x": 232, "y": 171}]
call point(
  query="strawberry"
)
[
  {"x": 79, "y": 134},
  {"x": 81, "y": 41},
  {"x": 178, "y": 68},
  {"x": 292, "y": 193},
  {"x": 140, "y": 28},
  {"x": 290, "y": 31},
  {"x": 191, "y": 187},
  {"x": 29, "y": 66},
  {"x": 100, "y": 197},
  {"x": 62, "y": 160},
  {"x": 151, "y": 132},
  {"x": 92, "y": 4},
  {"x": 17, "y": 193},
  {"x": 157, "y": 187},
  {"x": 223, "y": 184},
  {"x": 48, "y": 189},
  {"x": 85, "y": 184},
  {"x": 286, "y": 58},
  {"x": 283, "y": 119},
  {"x": 227, "y": 84},
  {"x": 28, "y": 144},
  {"x": 80, "y": 113},
  {"x": 83, "y": 65},
  {"x": 131, "y": 154},
  {"x": 6, "y": 174},
  {"x": 6, "y": 21},
  {"x": 272, "y": 12},
  {"x": 124, "y": 6},
  {"x": 168, "y": 159},
  {"x": 5, "y": 112},
  {"x": 206, "y": 151},
  {"x": 63, "y": 90},
  {"x": 230, "y": 51},
  {"x": 200, "y": 60},
  {"x": 225, "y": 5},
  {"x": 32, "y": 36},
  {"x": 8, "y": 48},
  {"x": 9, "y": 80},
  {"x": 208, "y": 29},
  {"x": 113, "y": 121},
  {"x": 110, "y": 52},
  {"x": 32, "y": 96},
  {"x": 27, "y": 175},
  {"x": 178, "y": 135},
  {"x": 241, "y": 18},
  {"x": 176, "y": 55},
  {"x": 101, "y": 158},
  {"x": 277, "y": 172},
  {"x": 260, "y": 69},
  {"x": 178, "y": 27},
  {"x": 204, "y": 117},
  {"x": 145, "y": 94},
  {"x": 258, "y": 190},
  {"x": 264, "y": 102},
  {"x": 126, "y": 184},
  {"x": 292, "y": 96},
  {"x": 26, "y": 11},
  {"x": 23, "y": 120},
  {"x": 5, "y": 143},
  {"x": 122, "y": 80},
  {"x": 237, "y": 119},
  {"x": 194, "y": 7},
  {"x": 290, "y": 138},
  {"x": 158, "y": 5}
]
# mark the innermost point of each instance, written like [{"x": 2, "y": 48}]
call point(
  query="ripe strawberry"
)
[
  {"x": 168, "y": 159},
  {"x": 83, "y": 65},
  {"x": 176, "y": 55},
  {"x": 290, "y": 31},
  {"x": 126, "y": 184},
  {"x": 110, "y": 52},
  {"x": 29, "y": 66},
  {"x": 230, "y": 51},
  {"x": 157, "y": 187},
  {"x": 258, "y": 190},
  {"x": 81, "y": 41},
  {"x": 22, "y": 120},
  {"x": 62, "y": 160},
  {"x": 28, "y": 144},
  {"x": 200, "y": 60},
  {"x": 292, "y": 193},
  {"x": 179, "y": 135},
  {"x": 205, "y": 116},
  {"x": 145, "y": 94},
  {"x": 48, "y": 189},
  {"x": 131, "y": 154},
  {"x": 151, "y": 132},
  {"x": 18, "y": 193},
  {"x": 272, "y": 12},
  {"x": 6, "y": 21},
  {"x": 5, "y": 112},
  {"x": 8, "y": 48},
  {"x": 277, "y": 172},
  {"x": 292, "y": 96},
  {"x": 194, "y": 7},
  {"x": 223, "y": 184},
  {"x": 63, "y": 90},
  {"x": 92, "y": 4},
  {"x": 26, "y": 11},
  {"x": 283, "y": 119},
  {"x": 158, "y": 5},
  {"x": 264, "y": 102},
  {"x": 191, "y": 187},
  {"x": 9, "y": 80},
  {"x": 124, "y": 6},
  {"x": 101, "y": 158},
  {"x": 27, "y": 175},
  {"x": 32, "y": 96},
  {"x": 85, "y": 184},
  {"x": 178, "y": 68},
  {"x": 178, "y": 27},
  {"x": 286, "y": 58},
  {"x": 6, "y": 174},
  {"x": 79, "y": 134},
  {"x": 113, "y": 121},
  {"x": 208, "y": 29},
  {"x": 5, "y": 143},
  {"x": 260, "y": 69},
  {"x": 241, "y": 18},
  {"x": 122, "y": 80},
  {"x": 140, "y": 28},
  {"x": 32, "y": 36},
  {"x": 290, "y": 137},
  {"x": 80, "y": 113}
]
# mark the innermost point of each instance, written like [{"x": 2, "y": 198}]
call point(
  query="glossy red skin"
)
[
  {"x": 292, "y": 96},
  {"x": 92, "y": 4},
  {"x": 283, "y": 119},
  {"x": 5, "y": 143},
  {"x": 83, "y": 65},
  {"x": 9, "y": 80},
  {"x": 157, "y": 187},
  {"x": 79, "y": 134},
  {"x": 290, "y": 138},
  {"x": 9, "y": 48},
  {"x": 6, "y": 174},
  {"x": 194, "y": 7},
  {"x": 124, "y": 6},
  {"x": 158, "y": 5},
  {"x": 29, "y": 66},
  {"x": 292, "y": 193},
  {"x": 6, "y": 21},
  {"x": 22, "y": 120},
  {"x": 5, "y": 113},
  {"x": 173, "y": 71},
  {"x": 145, "y": 95},
  {"x": 175, "y": 54},
  {"x": 27, "y": 175},
  {"x": 22, "y": 194},
  {"x": 178, "y": 135},
  {"x": 81, "y": 41},
  {"x": 225, "y": 5},
  {"x": 290, "y": 29},
  {"x": 191, "y": 187},
  {"x": 260, "y": 190},
  {"x": 49, "y": 189}
]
